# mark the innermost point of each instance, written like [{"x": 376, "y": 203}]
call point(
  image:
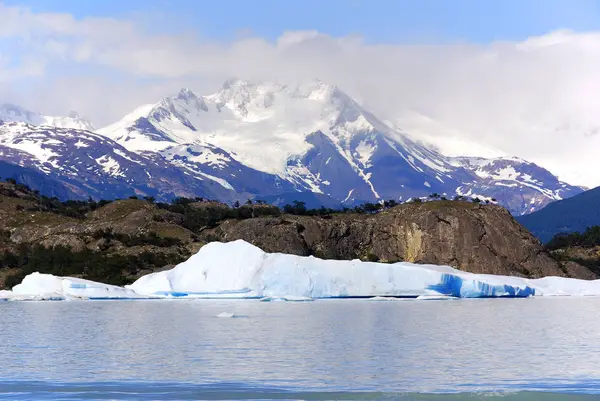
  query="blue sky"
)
[{"x": 378, "y": 21}]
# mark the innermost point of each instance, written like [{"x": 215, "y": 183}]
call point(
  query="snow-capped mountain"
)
[
  {"x": 89, "y": 164},
  {"x": 317, "y": 138},
  {"x": 265, "y": 140},
  {"x": 13, "y": 113},
  {"x": 519, "y": 184}
]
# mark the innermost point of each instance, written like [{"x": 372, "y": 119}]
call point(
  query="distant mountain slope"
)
[
  {"x": 35, "y": 179},
  {"x": 518, "y": 184},
  {"x": 89, "y": 164},
  {"x": 570, "y": 215}
]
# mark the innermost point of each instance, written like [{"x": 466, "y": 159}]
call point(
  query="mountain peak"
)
[
  {"x": 185, "y": 94},
  {"x": 269, "y": 127},
  {"x": 300, "y": 89},
  {"x": 232, "y": 83},
  {"x": 186, "y": 101},
  {"x": 12, "y": 113}
]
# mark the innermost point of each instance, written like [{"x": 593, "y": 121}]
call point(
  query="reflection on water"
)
[{"x": 391, "y": 348}]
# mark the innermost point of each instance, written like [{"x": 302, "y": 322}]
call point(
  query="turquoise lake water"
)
[{"x": 487, "y": 349}]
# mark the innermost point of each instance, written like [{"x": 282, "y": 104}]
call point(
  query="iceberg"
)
[
  {"x": 37, "y": 286},
  {"x": 240, "y": 270},
  {"x": 226, "y": 315}
]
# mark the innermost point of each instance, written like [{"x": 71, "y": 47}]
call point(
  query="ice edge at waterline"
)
[{"x": 239, "y": 270}]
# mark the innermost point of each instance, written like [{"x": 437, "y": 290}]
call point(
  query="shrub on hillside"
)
[{"x": 588, "y": 239}]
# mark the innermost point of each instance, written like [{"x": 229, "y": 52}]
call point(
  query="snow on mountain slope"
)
[
  {"x": 266, "y": 127},
  {"x": 210, "y": 162},
  {"x": 520, "y": 184},
  {"x": 90, "y": 164},
  {"x": 261, "y": 140},
  {"x": 242, "y": 118},
  {"x": 315, "y": 138},
  {"x": 12, "y": 113}
]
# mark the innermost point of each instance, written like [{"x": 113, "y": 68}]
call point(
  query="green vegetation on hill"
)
[
  {"x": 92, "y": 265},
  {"x": 581, "y": 248},
  {"x": 87, "y": 239},
  {"x": 587, "y": 239}
]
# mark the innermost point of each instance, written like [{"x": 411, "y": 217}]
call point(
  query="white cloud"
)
[{"x": 536, "y": 99}]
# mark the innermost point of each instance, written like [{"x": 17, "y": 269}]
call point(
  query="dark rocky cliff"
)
[{"x": 470, "y": 237}]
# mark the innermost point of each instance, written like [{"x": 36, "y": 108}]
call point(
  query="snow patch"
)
[
  {"x": 364, "y": 151},
  {"x": 224, "y": 183},
  {"x": 348, "y": 196},
  {"x": 110, "y": 166}
]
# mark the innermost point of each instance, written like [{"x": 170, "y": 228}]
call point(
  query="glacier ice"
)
[
  {"x": 240, "y": 270},
  {"x": 38, "y": 286}
]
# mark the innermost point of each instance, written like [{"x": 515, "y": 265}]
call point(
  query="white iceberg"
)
[
  {"x": 226, "y": 315},
  {"x": 37, "y": 286},
  {"x": 11, "y": 296},
  {"x": 240, "y": 270}
]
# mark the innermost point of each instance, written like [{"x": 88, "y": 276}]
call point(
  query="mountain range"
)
[{"x": 261, "y": 140}]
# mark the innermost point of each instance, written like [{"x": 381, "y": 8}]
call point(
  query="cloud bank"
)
[{"x": 535, "y": 99}]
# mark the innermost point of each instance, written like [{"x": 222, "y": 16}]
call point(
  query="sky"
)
[
  {"x": 377, "y": 21},
  {"x": 388, "y": 21},
  {"x": 517, "y": 76}
]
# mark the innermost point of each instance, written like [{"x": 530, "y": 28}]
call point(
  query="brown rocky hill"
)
[
  {"x": 471, "y": 237},
  {"x": 119, "y": 241}
]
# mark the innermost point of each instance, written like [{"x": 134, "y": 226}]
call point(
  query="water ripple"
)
[{"x": 338, "y": 348}]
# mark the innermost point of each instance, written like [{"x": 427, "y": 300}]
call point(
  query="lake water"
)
[{"x": 337, "y": 349}]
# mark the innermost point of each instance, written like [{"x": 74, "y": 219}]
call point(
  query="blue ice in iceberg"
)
[{"x": 455, "y": 286}]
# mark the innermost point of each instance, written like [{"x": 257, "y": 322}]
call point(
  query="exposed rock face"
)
[{"x": 474, "y": 238}]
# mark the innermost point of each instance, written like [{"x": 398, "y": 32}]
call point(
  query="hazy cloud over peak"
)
[{"x": 536, "y": 98}]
